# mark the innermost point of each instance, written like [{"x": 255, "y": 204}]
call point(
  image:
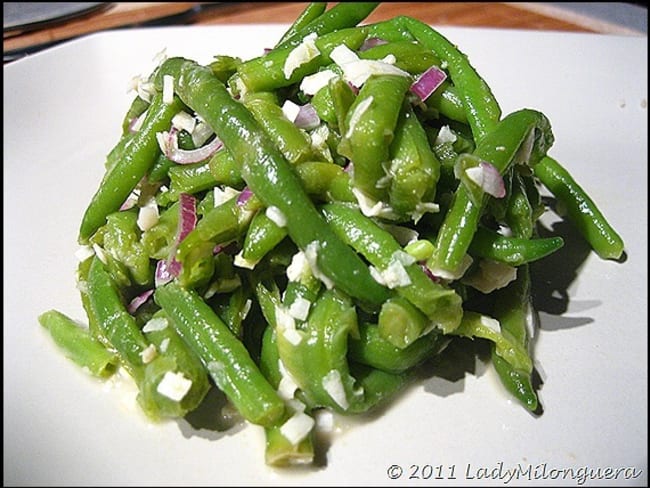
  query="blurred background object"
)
[{"x": 32, "y": 26}]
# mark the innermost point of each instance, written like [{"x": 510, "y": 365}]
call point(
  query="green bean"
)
[
  {"x": 447, "y": 101},
  {"x": 225, "y": 357},
  {"x": 581, "y": 209},
  {"x": 519, "y": 211},
  {"x": 225, "y": 169},
  {"x": 271, "y": 178},
  {"x": 401, "y": 323},
  {"x": 120, "y": 237},
  {"x": 172, "y": 355},
  {"x": 439, "y": 303},
  {"x": 137, "y": 159},
  {"x": 478, "y": 325},
  {"x": 116, "y": 324},
  {"x": 79, "y": 345},
  {"x": 222, "y": 224},
  {"x": 512, "y": 308},
  {"x": 267, "y": 72},
  {"x": 514, "y": 251},
  {"x": 263, "y": 235},
  {"x": 409, "y": 56},
  {"x": 341, "y": 16},
  {"x": 311, "y": 12},
  {"x": 414, "y": 169},
  {"x": 370, "y": 124},
  {"x": 293, "y": 143},
  {"x": 325, "y": 181},
  {"x": 190, "y": 178},
  {"x": 500, "y": 147},
  {"x": 371, "y": 349}
]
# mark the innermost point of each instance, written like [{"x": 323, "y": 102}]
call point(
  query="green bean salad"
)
[{"x": 305, "y": 230}]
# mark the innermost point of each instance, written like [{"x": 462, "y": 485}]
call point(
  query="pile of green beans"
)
[{"x": 318, "y": 266}]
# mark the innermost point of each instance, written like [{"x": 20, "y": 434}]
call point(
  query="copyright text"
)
[{"x": 508, "y": 474}]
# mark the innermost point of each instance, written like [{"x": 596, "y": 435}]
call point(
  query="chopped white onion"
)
[
  {"x": 155, "y": 324},
  {"x": 290, "y": 110},
  {"x": 168, "y": 89},
  {"x": 297, "y": 427},
  {"x": 293, "y": 336},
  {"x": 148, "y": 215},
  {"x": 148, "y": 354},
  {"x": 299, "y": 309},
  {"x": 491, "y": 323},
  {"x": 311, "y": 253},
  {"x": 83, "y": 253},
  {"x": 184, "y": 121},
  {"x": 299, "y": 267},
  {"x": 445, "y": 135},
  {"x": 276, "y": 216},
  {"x": 301, "y": 54},
  {"x": 312, "y": 83},
  {"x": 334, "y": 387},
  {"x": 174, "y": 386}
]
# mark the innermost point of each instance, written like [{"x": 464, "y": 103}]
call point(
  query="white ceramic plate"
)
[{"x": 62, "y": 113}]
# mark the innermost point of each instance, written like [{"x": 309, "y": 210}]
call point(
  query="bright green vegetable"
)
[{"x": 320, "y": 263}]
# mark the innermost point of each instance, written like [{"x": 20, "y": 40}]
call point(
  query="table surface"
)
[{"x": 505, "y": 15}]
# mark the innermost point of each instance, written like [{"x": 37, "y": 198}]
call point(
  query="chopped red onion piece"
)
[
  {"x": 372, "y": 42},
  {"x": 187, "y": 220},
  {"x": 244, "y": 196},
  {"x": 169, "y": 146},
  {"x": 166, "y": 271},
  {"x": 307, "y": 117},
  {"x": 428, "y": 82},
  {"x": 138, "y": 301},
  {"x": 490, "y": 181},
  {"x": 430, "y": 275}
]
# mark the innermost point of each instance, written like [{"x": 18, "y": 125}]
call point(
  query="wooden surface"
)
[{"x": 504, "y": 15}]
